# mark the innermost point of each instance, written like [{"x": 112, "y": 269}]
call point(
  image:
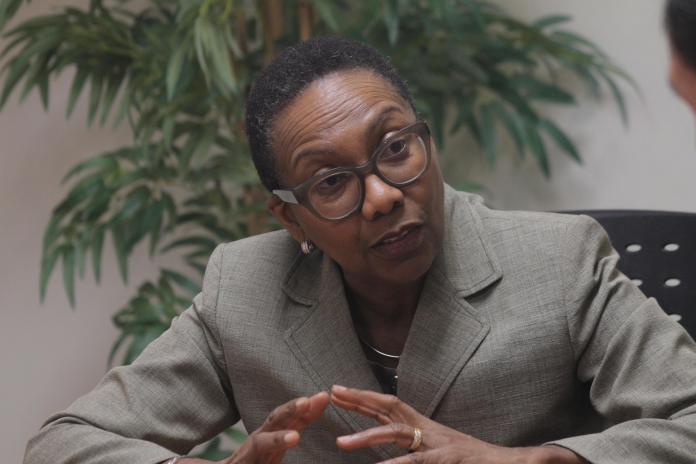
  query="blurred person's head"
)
[{"x": 680, "y": 20}]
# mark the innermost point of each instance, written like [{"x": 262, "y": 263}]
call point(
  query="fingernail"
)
[
  {"x": 339, "y": 388},
  {"x": 301, "y": 402},
  {"x": 289, "y": 437}
]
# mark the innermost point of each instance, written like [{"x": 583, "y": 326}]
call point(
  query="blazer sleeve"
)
[
  {"x": 173, "y": 397},
  {"x": 640, "y": 364}
]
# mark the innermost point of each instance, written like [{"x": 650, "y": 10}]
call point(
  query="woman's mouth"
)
[{"x": 400, "y": 244}]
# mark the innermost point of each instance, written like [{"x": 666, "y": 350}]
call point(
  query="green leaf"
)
[
  {"x": 155, "y": 215},
  {"x": 536, "y": 89},
  {"x": 176, "y": 62},
  {"x": 551, "y": 20},
  {"x": 140, "y": 342},
  {"x": 48, "y": 262},
  {"x": 588, "y": 78},
  {"x": 182, "y": 281},
  {"x": 15, "y": 71},
  {"x": 575, "y": 39},
  {"x": 168, "y": 130},
  {"x": 213, "y": 452},
  {"x": 326, "y": 12},
  {"x": 42, "y": 82},
  {"x": 236, "y": 435},
  {"x": 466, "y": 117},
  {"x": 123, "y": 336},
  {"x": 113, "y": 84},
  {"x": 85, "y": 189},
  {"x": 618, "y": 96},
  {"x": 81, "y": 256},
  {"x": 118, "y": 238},
  {"x": 488, "y": 133},
  {"x": 203, "y": 144},
  {"x": 198, "y": 32},
  {"x": 124, "y": 107},
  {"x": 69, "y": 273},
  {"x": 97, "y": 248},
  {"x": 560, "y": 138},
  {"x": 536, "y": 145},
  {"x": 97, "y": 84},
  {"x": 8, "y": 8},
  {"x": 201, "y": 241},
  {"x": 514, "y": 125},
  {"x": 391, "y": 20},
  {"x": 133, "y": 204},
  {"x": 99, "y": 163}
]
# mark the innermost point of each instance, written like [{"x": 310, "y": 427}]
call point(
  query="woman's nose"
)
[{"x": 380, "y": 197}]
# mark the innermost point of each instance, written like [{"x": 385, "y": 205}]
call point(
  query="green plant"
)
[{"x": 178, "y": 72}]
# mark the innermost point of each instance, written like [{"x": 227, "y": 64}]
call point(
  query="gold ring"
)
[{"x": 417, "y": 439}]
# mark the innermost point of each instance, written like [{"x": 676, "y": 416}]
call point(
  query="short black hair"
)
[
  {"x": 290, "y": 73},
  {"x": 680, "y": 20}
]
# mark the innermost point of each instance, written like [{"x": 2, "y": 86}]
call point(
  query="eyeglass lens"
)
[{"x": 400, "y": 162}]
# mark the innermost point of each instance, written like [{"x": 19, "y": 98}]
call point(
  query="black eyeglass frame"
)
[{"x": 298, "y": 195}]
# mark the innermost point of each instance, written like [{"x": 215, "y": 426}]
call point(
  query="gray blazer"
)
[{"x": 525, "y": 334}]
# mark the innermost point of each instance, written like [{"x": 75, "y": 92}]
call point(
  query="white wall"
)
[{"x": 50, "y": 354}]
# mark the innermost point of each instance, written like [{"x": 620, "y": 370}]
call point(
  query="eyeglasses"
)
[{"x": 399, "y": 160}]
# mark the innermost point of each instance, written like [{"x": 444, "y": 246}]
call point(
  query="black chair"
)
[{"x": 658, "y": 252}]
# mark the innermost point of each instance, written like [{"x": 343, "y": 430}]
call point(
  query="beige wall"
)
[{"x": 50, "y": 354}]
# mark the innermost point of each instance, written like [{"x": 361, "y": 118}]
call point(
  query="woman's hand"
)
[
  {"x": 279, "y": 433},
  {"x": 440, "y": 444}
]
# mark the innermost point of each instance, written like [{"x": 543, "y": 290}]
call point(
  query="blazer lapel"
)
[
  {"x": 444, "y": 335},
  {"x": 326, "y": 345},
  {"x": 446, "y": 330}
]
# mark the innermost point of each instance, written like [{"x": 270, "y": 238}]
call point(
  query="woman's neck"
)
[
  {"x": 384, "y": 303},
  {"x": 382, "y": 316}
]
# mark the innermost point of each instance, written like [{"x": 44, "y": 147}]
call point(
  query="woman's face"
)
[{"x": 338, "y": 121}]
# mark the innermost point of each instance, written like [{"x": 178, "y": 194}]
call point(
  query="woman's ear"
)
[{"x": 283, "y": 213}]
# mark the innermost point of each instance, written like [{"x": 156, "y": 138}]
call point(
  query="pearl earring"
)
[{"x": 306, "y": 246}]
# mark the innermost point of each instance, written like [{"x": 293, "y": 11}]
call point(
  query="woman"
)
[
  {"x": 680, "y": 19},
  {"x": 508, "y": 337}
]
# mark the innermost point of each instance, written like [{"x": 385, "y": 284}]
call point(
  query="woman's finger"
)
[
  {"x": 397, "y": 434},
  {"x": 281, "y": 416},
  {"x": 266, "y": 443},
  {"x": 385, "y": 405},
  {"x": 296, "y": 414},
  {"x": 363, "y": 410},
  {"x": 317, "y": 405}
]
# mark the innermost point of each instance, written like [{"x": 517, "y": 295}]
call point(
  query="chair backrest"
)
[{"x": 658, "y": 252}]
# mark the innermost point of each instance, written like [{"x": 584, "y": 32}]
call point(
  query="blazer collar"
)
[{"x": 445, "y": 331}]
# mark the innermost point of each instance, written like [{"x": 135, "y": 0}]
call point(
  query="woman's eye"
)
[
  {"x": 332, "y": 183},
  {"x": 396, "y": 147},
  {"x": 395, "y": 151}
]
